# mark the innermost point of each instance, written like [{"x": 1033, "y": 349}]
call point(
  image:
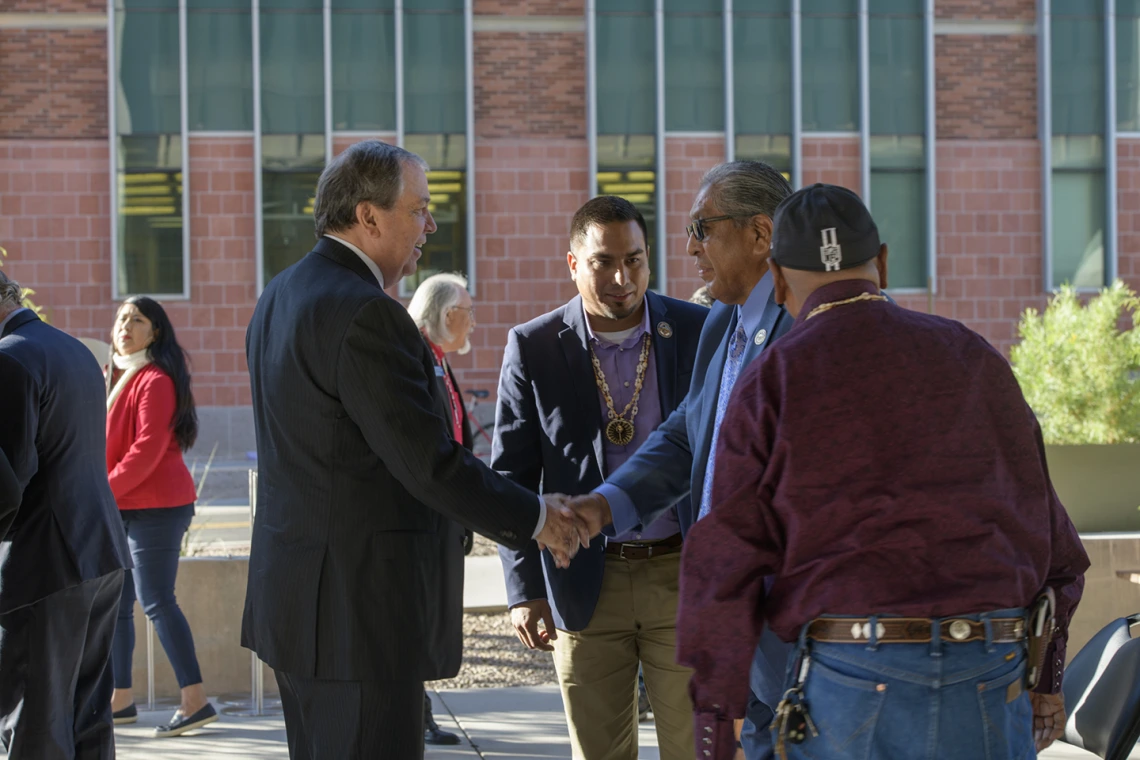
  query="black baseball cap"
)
[{"x": 823, "y": 228}]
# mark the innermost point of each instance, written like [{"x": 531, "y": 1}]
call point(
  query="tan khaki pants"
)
[{"x": 635, "y": 621}]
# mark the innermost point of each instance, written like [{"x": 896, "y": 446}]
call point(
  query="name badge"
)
[{"x": 438, "y": 371}]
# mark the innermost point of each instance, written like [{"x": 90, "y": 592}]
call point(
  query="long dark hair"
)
[{"x": 168, "y": 356}]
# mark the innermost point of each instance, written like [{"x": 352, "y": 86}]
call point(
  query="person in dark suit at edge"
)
[
  {"x": 355, "y": 575},
  {"x": 63, "y": 552},
  {"x": 443, "y": 310}
]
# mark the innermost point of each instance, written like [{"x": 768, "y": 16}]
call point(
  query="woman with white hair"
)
[{"x": 443, "y": 310}]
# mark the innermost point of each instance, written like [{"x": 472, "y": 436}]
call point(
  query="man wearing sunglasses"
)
[{"x": 729, "y": 239}]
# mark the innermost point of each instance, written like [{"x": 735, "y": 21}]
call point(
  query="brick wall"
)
[
  {"x": 834, "y": 160},
  {"x": 53, "y": 83},
  {"x": 1128, "y": 210},
  {"x": 530, "y": 7},
  {"x": 989, "y": 236},
  {"x": 1022, "y": 10},
  {"x": 686, "y": 160},
  {"x": 530, "y": 85},
  {"x": 528, "y": 190},
  {"x": 986, "y": 87},
  {"x": 52, "y": 6}
]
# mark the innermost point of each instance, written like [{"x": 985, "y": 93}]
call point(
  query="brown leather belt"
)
[
  {"x": 670, "y": 545},
  {"x": 899, "y": 630}
]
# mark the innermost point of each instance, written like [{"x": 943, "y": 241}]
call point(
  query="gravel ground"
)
[
  {"x": 493, "y": 656},
  {"x": 484, "y": 547}
]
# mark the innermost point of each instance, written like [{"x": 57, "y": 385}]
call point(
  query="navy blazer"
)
[
  {"x": 671, "y": 464},
  {"x": 66, "y": 527},
  {"x": 548, "y": 434}
]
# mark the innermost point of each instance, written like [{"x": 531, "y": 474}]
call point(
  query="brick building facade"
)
[{"x": 533, "y": 156}]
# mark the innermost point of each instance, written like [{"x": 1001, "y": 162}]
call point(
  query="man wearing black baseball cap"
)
[{"x": 883, "y": 466}]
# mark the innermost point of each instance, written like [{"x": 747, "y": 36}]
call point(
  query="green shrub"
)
[
  {"x": 1079, "y": 369},
  {"x": 27, "y": 292}
]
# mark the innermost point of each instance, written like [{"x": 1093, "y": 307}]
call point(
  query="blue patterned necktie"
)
[{"x": 728, "y": 377}]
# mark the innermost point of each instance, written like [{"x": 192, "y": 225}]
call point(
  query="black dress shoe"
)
[
  {"x": 180, "y": 723},
  {"x": 436, "y": 735},
  {"x": 129, "y": 714}
]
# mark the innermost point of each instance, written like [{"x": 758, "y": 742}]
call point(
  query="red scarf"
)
[{"x": 452, "y": 391}]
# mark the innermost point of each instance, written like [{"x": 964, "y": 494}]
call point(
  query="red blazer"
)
[{"x": 144, "y": 462}]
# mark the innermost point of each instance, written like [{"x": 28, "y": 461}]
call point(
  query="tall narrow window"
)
[
  {"x": 364, "y": 65},
  {"x": 1128, "y": 65},
  {"x": 148, "y": 149},
  {"x": 219, "y": 59},
  {"x": 626, "y": 107},
  {"x": 1080, "y": 216},
  {"x": 435, "y": 98},
  {"x": 694, "y": 67},
  {"x": 830, "y": 52},
  {"x": 762, "y": 65},
  {"x": 292, "y": 127},
  {"x": 898, "y": 139}
]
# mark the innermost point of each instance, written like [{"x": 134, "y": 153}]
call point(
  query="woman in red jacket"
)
[{"x": 150, "y": 421}]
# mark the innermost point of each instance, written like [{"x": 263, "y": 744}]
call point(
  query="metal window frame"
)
[
  {"x": 661, "y": 190},
  {"x": 865, "y": 101},
  {"x": 729, "y": 84},
  {"x": 931, "y": 145},
  {"x": 592, "y": 95},
  {"x": 258, "y": 180},
  {"x": 1111, "y": 234},
  {"x": 113, "y": 153},
  {"x": 797, "y": 95},
  {"x": 326, "y": 22},
  {"x": 1045, "y": 136}
]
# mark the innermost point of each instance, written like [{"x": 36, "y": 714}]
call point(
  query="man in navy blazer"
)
[
  {"x": 581, "y": 388},
  {"x": 729, "y": 237},
  {"x": 62, "y": 544}
]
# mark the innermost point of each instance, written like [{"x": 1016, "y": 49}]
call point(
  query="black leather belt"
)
[{"x": 670, "y": 545}]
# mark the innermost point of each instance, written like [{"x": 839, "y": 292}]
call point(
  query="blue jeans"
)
[
  {"x": 944, "y": 700},
  {"x": 155, "y": 540},
  {"x": 766, "y": 680}
]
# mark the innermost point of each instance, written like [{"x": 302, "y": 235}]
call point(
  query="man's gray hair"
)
[
  {"x": 11, "y": 294},
  {"x": 745, "y": 188},
  {"x": 370, "y": 171},
  {"x": 434, "y": 298}
]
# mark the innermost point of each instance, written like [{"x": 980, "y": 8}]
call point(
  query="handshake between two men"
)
[{"x": 571, "y": 521}]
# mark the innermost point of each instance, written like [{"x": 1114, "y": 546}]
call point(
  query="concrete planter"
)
[
  {"x": 211, "y": 593},
  {"x": 1099, "y": 485}
]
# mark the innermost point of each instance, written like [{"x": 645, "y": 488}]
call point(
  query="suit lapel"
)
[
  {"x": 575, "y": 348},
  {"x": 766, "y": 332},
  {"x": 664, "y": 352},
  {"x": 343, "y": 255},
  {"x": 710, "y": 397}
]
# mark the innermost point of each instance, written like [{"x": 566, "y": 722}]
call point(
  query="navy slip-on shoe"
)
[
  {"x": 129, "y": 714},
  {"x": 180, "y": 724}
]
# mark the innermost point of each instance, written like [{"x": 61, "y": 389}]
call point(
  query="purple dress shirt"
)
[{"x": 619, "y": 365}]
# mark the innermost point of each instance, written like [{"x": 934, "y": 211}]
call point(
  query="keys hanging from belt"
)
[{"x": 793, "y": 720}]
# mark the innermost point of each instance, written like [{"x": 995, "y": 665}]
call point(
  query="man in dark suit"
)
[
  {"x": 729, "y": 239},
  {"x": 581, "y": 388},
  {"x": 356, "y": 569},
  {"x": 63, "y": 554}
]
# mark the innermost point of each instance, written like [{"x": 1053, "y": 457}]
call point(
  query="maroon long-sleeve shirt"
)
[{"x": 873, "y": 460}]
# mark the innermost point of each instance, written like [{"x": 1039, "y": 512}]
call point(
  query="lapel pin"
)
[
  {"x": 664, "y": 330},
  {"x": 761, "y": 337}
]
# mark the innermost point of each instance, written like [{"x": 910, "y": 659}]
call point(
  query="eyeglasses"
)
[
  {"x": 469, "y": 309},
  {"x": 696, "y": 228}
]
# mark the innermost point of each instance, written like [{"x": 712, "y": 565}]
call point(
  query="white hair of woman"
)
[{"x": 434, "y": 299}]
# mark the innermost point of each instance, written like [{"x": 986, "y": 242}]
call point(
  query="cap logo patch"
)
[{"x": 830, "y": 252}]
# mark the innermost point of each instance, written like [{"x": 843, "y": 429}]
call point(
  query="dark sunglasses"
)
[{"x": 696, "y": 228}]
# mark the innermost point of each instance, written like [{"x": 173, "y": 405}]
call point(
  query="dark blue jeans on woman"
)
[{"x": 155, "y": 540}]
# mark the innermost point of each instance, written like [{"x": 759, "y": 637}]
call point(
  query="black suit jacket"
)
[
  {"x": 53, "y": 431},
  {"x": 10, "y": 493},
  {"x": 548, "y": 429},
  {"x": 356, "y": 568}
]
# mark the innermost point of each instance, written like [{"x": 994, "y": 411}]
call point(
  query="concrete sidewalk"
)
[{"x": 522, "y": 722}]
